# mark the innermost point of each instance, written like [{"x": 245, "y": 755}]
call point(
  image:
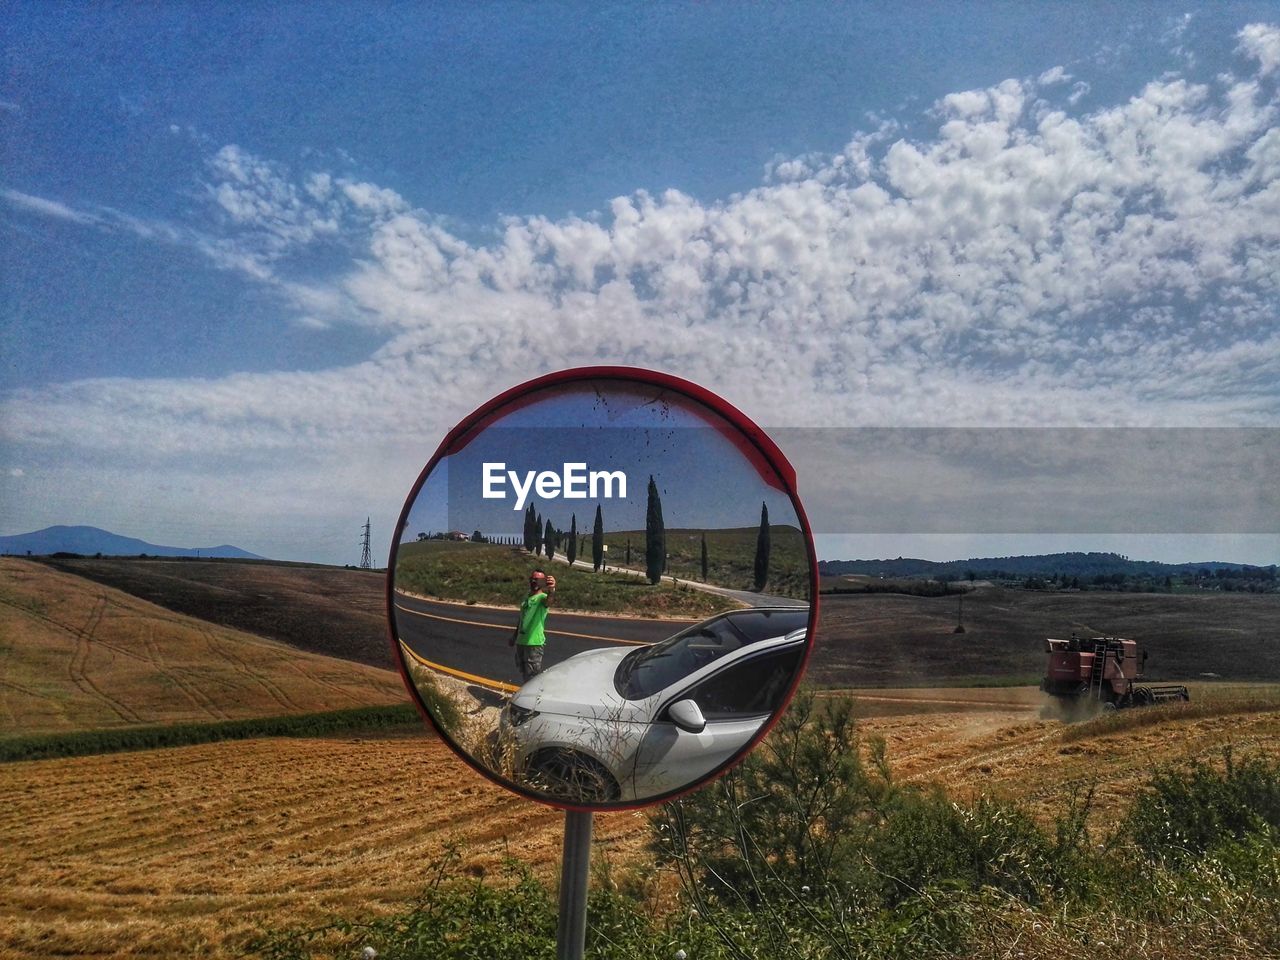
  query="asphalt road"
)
[{"x": 471, "y": 642}]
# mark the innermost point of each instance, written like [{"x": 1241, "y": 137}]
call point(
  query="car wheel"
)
[{"x": 567, "y": 775}]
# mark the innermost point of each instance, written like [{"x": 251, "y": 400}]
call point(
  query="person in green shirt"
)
[{"x": 530, "y": 635}]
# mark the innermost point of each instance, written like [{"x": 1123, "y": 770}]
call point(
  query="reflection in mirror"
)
[{"x": 600, "y": 591}]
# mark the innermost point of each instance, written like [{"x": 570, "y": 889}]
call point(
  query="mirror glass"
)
[{"x": 586, "y": 553}]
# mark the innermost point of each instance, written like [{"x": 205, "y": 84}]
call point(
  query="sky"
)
[{"x": 257, "y": 263}]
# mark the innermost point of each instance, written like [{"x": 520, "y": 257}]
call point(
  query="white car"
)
[{"x": 621, "y": 725}]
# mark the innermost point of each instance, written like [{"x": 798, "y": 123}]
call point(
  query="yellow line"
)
[
  {"x": 495, "y": 626},
  {"x": 462, "y": 675}
]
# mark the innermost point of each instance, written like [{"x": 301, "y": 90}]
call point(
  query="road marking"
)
[
  {"x": 460, "y": 674},
  {"x": 497, "y": 626}
]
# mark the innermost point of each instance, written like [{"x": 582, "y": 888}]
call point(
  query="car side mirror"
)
[{"x": 687, "y": 715}]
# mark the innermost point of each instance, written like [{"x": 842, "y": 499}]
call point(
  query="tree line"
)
[{"x": 542, "y": 538}]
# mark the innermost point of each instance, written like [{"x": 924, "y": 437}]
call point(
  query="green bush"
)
[
  {"x": 1185, "y": 813},
  {"x": 792, "y": 813},
  {"x": 85, "y": 742}
]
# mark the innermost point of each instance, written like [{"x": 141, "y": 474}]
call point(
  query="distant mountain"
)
[
  {"x": 1047, "y": 565},
  {"x": 91, "y": 540}
]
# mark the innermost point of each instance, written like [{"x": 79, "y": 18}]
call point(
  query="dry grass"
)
[
  {"x": 1014, "y": 754},
  {"x": 276, "y": 833},
  {"x": 187, "y": 852},
  {"x": 82, "y": 656},
  {"x": 332, "y": 611},
  {"x": 1015, "y": 930}
]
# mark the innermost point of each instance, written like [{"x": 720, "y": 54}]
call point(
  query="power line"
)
[{"x": 366, "y": 561}]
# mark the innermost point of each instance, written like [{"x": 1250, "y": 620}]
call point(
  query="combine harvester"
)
[{"x": 1102, "y": 670}]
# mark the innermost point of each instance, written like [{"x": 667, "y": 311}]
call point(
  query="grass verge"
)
[{"x": 489, "y": 574}]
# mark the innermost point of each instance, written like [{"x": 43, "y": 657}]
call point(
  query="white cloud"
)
[
  {"x": 1025, "y": 264},
  {"x": 1262, "y": 42},
  {"x": 1052, "y": 76},
  {"x": 47, "y": 208}
]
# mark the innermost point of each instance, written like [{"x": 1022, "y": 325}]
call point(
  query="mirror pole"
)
[{"x": 571, "y": 933}]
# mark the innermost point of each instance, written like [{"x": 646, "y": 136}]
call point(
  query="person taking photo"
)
[{"x": 529, "y": 636}]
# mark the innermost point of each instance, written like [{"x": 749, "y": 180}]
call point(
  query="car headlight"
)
[{"x": 519, "y": 715}]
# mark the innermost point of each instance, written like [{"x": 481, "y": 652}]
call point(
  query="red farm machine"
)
[{"x": 1106, "y": 670}]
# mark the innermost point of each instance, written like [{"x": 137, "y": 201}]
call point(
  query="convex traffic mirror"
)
[{"x": 599, "y": 588}]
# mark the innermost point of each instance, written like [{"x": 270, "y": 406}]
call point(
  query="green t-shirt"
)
[{"x": 533, "y": 619}]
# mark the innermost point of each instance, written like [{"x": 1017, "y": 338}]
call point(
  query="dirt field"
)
[
  {"x": 892, "y": 640},
  {"x": 863, "y": 640},
  {"x": 82, "y": 656},
  {"x": 187, "y": 852}
]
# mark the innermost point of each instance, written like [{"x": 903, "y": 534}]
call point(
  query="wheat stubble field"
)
[
  {"x": 190, "y": 851},
  {"x": 187, "y": 852}
]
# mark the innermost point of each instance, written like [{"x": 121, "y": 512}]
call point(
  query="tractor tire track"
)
[
  {"x": 273, "y": 690},
  {"x": 191, "y": 690},
  {"x": 27, "y": 690},
  {"x": 990, "y": 755},
  {"x": 77, "y": 666},
  {"x": 321, "y": 681}
]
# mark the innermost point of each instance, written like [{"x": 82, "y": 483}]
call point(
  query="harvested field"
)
[
  {"x": 80, "y": 656},
  {"x": 1014, "y": 754},
  {"x": 333, "y": 611},
  {"x": 189, "y": 852}
]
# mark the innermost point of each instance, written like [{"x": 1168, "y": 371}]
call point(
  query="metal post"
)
[{"x": 571, "y": 934}]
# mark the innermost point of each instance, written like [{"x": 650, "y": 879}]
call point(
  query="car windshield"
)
[{"x": 650, "y": 669}]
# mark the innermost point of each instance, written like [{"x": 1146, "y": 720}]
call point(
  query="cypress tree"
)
[
  {"x": 704, "y": 556},
  {"x": 530, "y": 536},
  {"x": 549, "y": 541},
  {"x": 762, "y": 548},
  {"x": 628, "y": 551},
  {"x": 573, "y": 539},
  {"x": 537, "y": 533},
  {"x": 597, "y": 541},
  {"x": 655, "y": 536}
]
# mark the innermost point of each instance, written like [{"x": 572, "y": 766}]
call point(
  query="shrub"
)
[{"x": 1186, "y": 813}]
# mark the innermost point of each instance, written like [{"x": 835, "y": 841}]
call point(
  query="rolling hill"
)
[
  {"x": 92, "y": 540},
  {"x": 81, "y": 656}
]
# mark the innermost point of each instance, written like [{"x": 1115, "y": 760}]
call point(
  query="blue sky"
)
[{"x": 257, "y": 264}]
